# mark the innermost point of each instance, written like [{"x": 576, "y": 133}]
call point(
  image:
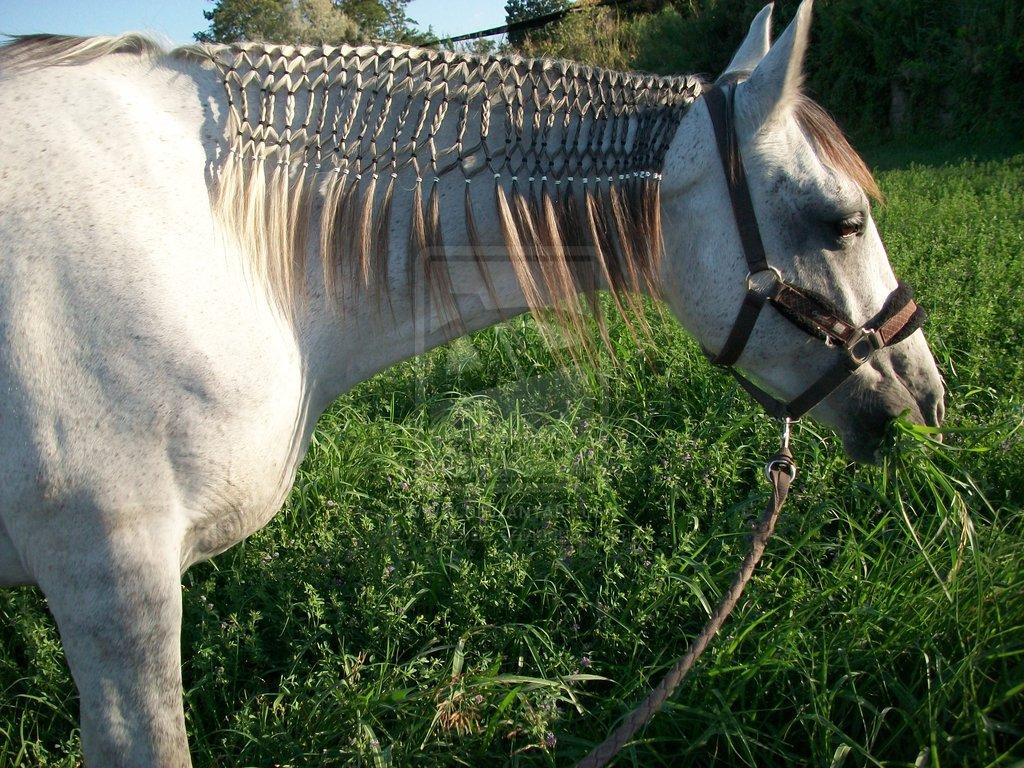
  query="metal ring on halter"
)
[
  {"x": 864, "y": 345},
  {"x": 785, "y": 465},
  {"x": 769, "y": 268}
]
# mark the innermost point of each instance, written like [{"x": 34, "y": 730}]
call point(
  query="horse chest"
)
[{"x": 236, "y": 492}]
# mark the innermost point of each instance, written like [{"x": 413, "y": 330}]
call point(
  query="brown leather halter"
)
[{"x": 899, "y": 316}]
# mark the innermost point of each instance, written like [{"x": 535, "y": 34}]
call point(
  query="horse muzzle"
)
[{"x": 903, "y": 380}]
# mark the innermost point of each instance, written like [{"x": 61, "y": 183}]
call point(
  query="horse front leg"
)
[{"x": 117, "y": 603}]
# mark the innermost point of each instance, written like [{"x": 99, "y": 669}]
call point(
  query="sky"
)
[{"x": 176, "y": 20}]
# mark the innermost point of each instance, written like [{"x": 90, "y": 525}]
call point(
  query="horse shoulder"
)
[{"x": 145, "y": 378}]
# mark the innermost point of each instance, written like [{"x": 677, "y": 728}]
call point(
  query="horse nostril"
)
[{"x": 934, "y": 411}]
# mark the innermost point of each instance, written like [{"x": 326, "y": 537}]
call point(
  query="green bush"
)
[{"x": 881, "y": 66}]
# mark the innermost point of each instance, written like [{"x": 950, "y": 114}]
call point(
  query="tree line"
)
[{"x": 881, "y": 66}]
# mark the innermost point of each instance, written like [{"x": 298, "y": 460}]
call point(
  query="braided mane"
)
[{"x": 573, "y": 155}]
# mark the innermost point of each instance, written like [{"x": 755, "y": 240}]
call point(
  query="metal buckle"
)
[
  {"x": 769, "y": 268},
  {"x": 864, "y": 345}
]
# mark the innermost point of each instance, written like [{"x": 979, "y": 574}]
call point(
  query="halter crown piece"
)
[{"x": 899, "y": 316}]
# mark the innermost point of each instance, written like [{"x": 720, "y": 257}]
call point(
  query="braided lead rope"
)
[{"x": 781, "y": 470}]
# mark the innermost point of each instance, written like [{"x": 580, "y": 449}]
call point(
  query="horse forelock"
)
[{"x": 832, "y": 146}]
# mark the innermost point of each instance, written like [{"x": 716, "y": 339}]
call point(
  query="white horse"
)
[{"x": 191, "y": 273}]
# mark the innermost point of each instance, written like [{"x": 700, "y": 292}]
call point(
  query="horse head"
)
[{"x": 810, "y": 208}]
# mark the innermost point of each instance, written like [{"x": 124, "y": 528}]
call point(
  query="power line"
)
[{"x": 527, "y": 24}]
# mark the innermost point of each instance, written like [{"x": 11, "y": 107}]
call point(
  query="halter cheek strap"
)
[{"x": 896, "y": 320}]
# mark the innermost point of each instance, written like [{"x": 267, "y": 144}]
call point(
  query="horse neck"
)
[{"x": 426, "y": 195}]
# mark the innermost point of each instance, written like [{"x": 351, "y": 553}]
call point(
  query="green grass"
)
[{"x": 486, "y": 561}]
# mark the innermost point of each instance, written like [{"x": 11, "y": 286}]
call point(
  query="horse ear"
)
[
  {"x": 754, "y": 46},
  {"x": 776, "y": 80}
]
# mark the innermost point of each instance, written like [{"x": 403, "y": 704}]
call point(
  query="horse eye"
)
[{"x": 851, "y": 226}]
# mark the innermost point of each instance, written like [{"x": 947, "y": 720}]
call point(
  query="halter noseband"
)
[{"x": 899, "y": 316}]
